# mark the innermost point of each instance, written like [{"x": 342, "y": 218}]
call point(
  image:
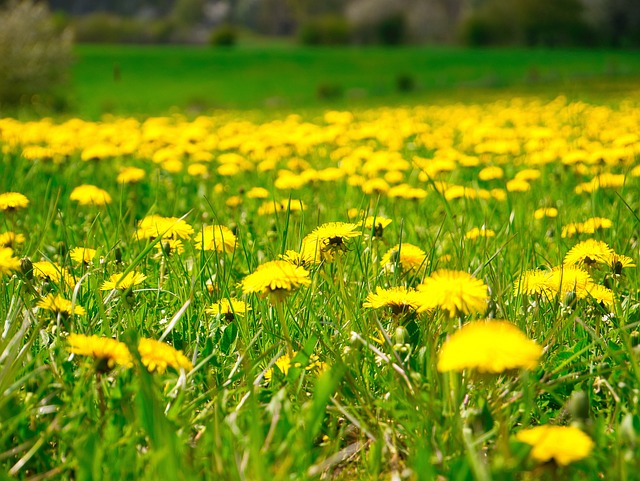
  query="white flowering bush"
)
[{"x": 35, "y": 55}]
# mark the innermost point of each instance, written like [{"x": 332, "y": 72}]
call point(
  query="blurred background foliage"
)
[
  {"x": 606, "y": 23},
  {"x": 35, "y": 55}
]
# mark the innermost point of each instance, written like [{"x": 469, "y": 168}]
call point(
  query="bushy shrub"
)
[
  {"x": 325, "y": 30},
  {"x": 527, "y": 22},
  {"x": 35, "y": 55},
  {"x": 224, "y": 36}
]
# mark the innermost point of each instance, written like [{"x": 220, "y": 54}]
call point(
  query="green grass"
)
[
  {"x": 152, "y": 80},
  {"x": 379, "y": 407}
]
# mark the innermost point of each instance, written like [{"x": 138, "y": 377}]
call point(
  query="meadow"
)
[
  {"x": 424, "y": 291},
  {"x": 152, "y": 80}
]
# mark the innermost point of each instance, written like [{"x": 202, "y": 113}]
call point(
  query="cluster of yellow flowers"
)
[
  {"x": 494, "y": 140},
  {"x": 388, "y": 161}
]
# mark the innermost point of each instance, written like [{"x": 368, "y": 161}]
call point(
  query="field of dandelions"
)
[{"x": 429, "y": 292}]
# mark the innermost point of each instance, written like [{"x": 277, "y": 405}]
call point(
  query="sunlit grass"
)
[{"x": 302, "y": 332}]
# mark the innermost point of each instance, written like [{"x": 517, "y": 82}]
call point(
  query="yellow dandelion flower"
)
[
  {"x": 157, "y": 356},
  {"x": 459, "y": 192},
  {"x": 11, "y": 239},
  {"x": 491, "y": 173},
  {"x": 331, "y": 238},
  {"x": 562, "y": 444},
  {"x": 479, "y": 232},
  {"x": 82, "y": 255},
  {"x": 90, "y": 195},
  {"x": 617, "y": 262},
  {"x": 229, "y": 308},
  {"x": 233, "y": 201},
  {"x": 173, "y": 166},
  {"x": 377, "y": 224},
  {"x": 399, "y": 299},
  {"x": 273, "y": 207},
  {"x": 456, "y": 292},
  {"x": 154, "y": 226},
  {"x": 518, "y": 185},
  {"x": 407, "y": 256},
  {"x": 569, "y": 278},
  {"x": 53, "y": 272},
  {"x": 123, "y": 282},
  {"x": 592, "y": 225},
  {"x": 11, "y": 201},
  {"x": 599, "y": 293},
  {"x": 197, "y": 170},
  {"x": 59, "y": 305},
  {"x": 103, "y": 349},
  {"x": 170, "y": 246},
  {"x": 276, "y": 278},
  {"x": 498, "y": 194},
  {"x": 130, "y": 175},
  {"x": 216, "y": 238},
  {"x": 588, "y": 253},
  {"x": 489, "y": 347},
  {"x": 528, "y": 174},
  {"x": 375, "y": 186},
  {"x": 283, "y": 363},
  {"x": 8, "y": 263},
  {"x": 258, "y": 193},
  {"x": 545, "y": 212},
  {"x": 307, "y": 256},
  {"x": 535, "y": 281}
]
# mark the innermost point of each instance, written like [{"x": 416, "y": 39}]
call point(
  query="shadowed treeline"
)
[{"x": 612, "y": 23}]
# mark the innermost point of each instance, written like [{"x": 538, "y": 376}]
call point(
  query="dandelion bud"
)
[
  {"x": 570, "y": 299},
  {"x": 578, "y": 406},
  {"x": 26, "y": 267},
  {"x": 401, "y": 336},
  {"x": 62, "y": 249},
  {"x": 629, "y": 427}
]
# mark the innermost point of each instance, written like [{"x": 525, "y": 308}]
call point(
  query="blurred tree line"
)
[{"x": 614, "y": 23}]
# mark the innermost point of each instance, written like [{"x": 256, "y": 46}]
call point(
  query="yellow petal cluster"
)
[{"x": 489, "y": 347}]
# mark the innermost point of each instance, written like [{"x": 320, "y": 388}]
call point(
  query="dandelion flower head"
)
[
  {"x": 455, "y": 292},
  {"x": 229, "y": 308},
  {"x": 11, "y": 239},
  {"x": 90, "y": 195},
  {"x": 216, "y": 238},
  {"x": 562, "y": 444},
  {"x": 154, "y": 226},
  {"x": 331, "y": 238},
  {"x": 157, "y": 356},
  {"x": 407, "y": 256},
  {"x": 59, "y": 305},
  {"x": 488, "y": 347},
  {"x": 275, "y": 277},
  {"x": 399, "y": 299},
  {"x": 10, "y": 201},
  {"x": 103, "y": 349},
  {"x": 123, "y": 282},
  {"x": 8, "y": 263},
  {"x": 588, "y": 253}
]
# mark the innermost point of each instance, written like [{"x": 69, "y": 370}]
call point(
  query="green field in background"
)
[{"x": 151, "y": 80}]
